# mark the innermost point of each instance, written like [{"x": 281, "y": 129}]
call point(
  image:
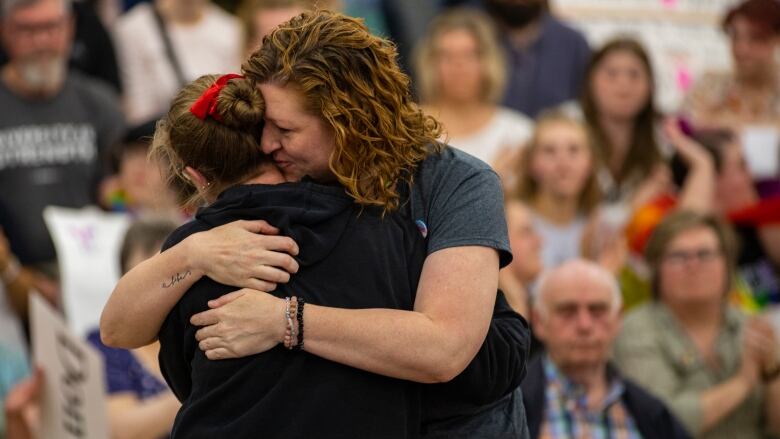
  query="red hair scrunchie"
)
[{"x": 206, "y": 105}]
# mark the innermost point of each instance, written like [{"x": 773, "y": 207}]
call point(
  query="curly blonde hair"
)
[
  {"x": 352, "y": 80},
  {"x": 226, "y": 152}
]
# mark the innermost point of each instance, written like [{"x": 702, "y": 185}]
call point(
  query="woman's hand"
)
[
  {"x": 241, "y": 323},
  {"x": 245, "y": 254},
  {"x": 691, "y": 151},
  {"x": 761, "y": 339}
]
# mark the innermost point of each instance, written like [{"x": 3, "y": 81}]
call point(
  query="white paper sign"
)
[
  {"x": 72, "y": 402},
  {"x": 761, "y": 146},
  {"x": 87, "y": 242}
]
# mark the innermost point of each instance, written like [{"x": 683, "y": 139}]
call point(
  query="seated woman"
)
[
  {"x": 558, "y": 182},
  {"x": 718, "y": 371},
  {"x": 462, "y": 76},
  {"x": 618, "y": 107}
]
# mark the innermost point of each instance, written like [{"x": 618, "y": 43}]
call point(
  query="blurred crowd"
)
[{"x": 646, "y": 245}]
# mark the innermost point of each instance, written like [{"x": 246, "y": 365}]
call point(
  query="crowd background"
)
[{"x": 676, "y": 199}]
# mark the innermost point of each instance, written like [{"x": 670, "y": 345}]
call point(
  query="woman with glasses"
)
[{"x": 718, "y": 370}]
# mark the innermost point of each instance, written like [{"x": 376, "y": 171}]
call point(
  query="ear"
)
[{"x": 196, "y": 178}]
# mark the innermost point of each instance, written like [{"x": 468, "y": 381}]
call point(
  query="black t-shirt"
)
[{"x": 349, "y": 259}]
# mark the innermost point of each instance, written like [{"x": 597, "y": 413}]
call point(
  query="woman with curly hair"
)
[{"x": 339, "y": 113}]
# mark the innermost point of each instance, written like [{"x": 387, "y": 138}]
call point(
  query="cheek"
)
[
  {"x": 540, "y": 168},
  {"x": 582, "y": 167},
  {"x": 601, "y": 88}
]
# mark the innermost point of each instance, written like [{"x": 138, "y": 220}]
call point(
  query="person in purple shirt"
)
[{"x": 546, "y": 58}]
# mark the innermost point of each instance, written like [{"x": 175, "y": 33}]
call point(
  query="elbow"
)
[
  {"x": 448, "y": 364},
  {"x": 109, "y": 337},
  {"x": 110, "y": 334},
  {"x": 443, "y": 374}
]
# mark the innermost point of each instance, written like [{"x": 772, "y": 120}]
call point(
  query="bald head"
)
[
  {"x": 576, "y": 314},
  {"x": 577, "y": 272}
]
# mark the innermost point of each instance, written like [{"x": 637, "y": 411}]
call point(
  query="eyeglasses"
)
[{"x": 703, "y": 255}]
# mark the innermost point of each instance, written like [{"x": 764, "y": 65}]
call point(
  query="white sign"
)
[
  {"x": 72, "y": 401},
  {"x": 87, "y": 242}
]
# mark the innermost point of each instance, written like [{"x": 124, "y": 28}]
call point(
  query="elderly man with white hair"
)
[{"x": 572, "y": 390}]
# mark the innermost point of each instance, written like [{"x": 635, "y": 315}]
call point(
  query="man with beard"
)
[
  {"x": 546, "y": 59},
  {"x": 54, "y": 125},
  {"x": 572, "y": 390}
]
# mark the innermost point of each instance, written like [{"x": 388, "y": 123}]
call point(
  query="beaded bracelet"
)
[
  {"x": 288, "y": 317},
  {"x": 299, "y": 314},
  {"x": 293, "y": 315}
]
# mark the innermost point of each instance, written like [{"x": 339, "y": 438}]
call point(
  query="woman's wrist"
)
[
  {"x": 282, "y": 328},
  {"x": 189, "y": 252}
]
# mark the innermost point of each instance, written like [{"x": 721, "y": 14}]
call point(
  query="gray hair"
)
[
  {"x": 8, "y": 6},
  {"x": 583, "y": 268}
]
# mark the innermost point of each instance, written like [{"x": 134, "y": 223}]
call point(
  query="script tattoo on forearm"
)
[{"x": 176, "y": 278}]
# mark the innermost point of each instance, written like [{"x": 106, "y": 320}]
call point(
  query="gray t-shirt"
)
[
  {"x": 50, "y": 154},
  {"x": 560, "y": 243},
  {"x": 457, "y": 200}
]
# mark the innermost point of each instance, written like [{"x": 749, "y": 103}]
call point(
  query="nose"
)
[
  {"x": 584, "y": 319},
  {"x": 270, "y": 139}
]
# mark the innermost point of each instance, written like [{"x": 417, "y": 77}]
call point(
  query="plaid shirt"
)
[{"x": 567, "y": 415}]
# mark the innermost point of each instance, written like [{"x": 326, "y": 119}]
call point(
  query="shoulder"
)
[
  {"x": 451, "y": 175},
  {"x": 98, "y": 94},
  {"x": 651, "y": 413},
  {"x": 639, "y": 328},
  {"x": 641, "y": 402},
  {"x": 562, "y": 32},
  {"x": 139, "y": 17},
  {"x": 642, "y": 316},
  {"x": 217, "y": 17},
  {"x": 453, "y": 164},
  {"x": 514, "y": 118}
]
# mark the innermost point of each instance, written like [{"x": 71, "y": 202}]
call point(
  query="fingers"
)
[
  {"x": 258, "y": 226},
  {"x": 220, "y": 354},
  {"x": 272, "y": 275},
  {"x": 278, "y": 244},
  {"x": 672, "y": 129},
  {"x": 25, "y": 393},
  {"x": 258, "y": 284},
  {"x": 206, "y": 318},
  {"x": 279, "y": 260},
  {"x": 206, "y": 332},
  {"x": 227, "y": 298}
]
